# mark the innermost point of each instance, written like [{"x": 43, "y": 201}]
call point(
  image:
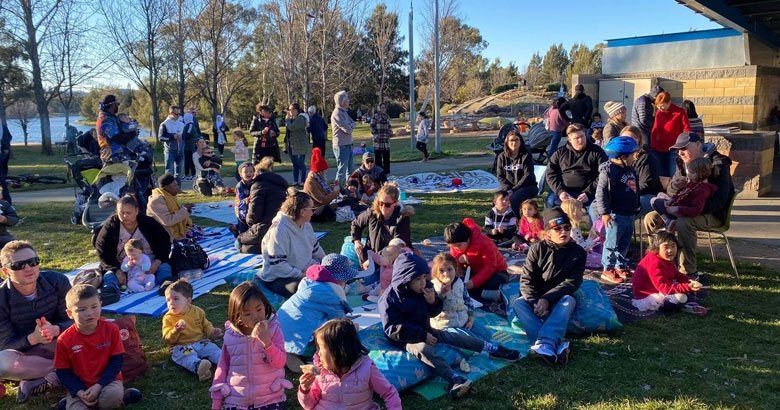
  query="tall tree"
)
[
  {"x": 533, "y": 73},
  {"x": 383, "y": 38},
  {"x": 12, "y": 77},
  {"x": 555, "y": 63},
  {"x": 30, "y": 24},
  {"x": 584, "y": 60}
]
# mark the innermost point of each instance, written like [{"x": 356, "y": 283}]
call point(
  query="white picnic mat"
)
[
  {"x": 224, "y": 258},
  {"x": 221, "y": 211},
  {"x": 441, "y": 183}
]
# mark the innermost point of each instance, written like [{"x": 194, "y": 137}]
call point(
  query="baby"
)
[
  {"x": 136, "y": 264},
  {"x": 127, "y": 125},
  {"x": 385, "y": 259}
]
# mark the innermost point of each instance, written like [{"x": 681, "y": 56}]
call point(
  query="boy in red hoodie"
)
[{"x": 471, "y": 247}]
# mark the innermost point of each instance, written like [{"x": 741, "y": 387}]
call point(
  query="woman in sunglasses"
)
[
  {"x": 32, "y": 315},
  {"x": 385, "y": 220}
]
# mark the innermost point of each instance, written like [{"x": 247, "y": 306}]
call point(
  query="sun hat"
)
[{"x": 338, "y": 266}]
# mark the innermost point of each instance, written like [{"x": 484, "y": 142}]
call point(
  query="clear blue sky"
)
[{"x": 515, "y": 29}]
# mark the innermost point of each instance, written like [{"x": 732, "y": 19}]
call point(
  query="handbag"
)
[
  {"x": 188, "y": 259},
  {"x": 88, "y": 277}
]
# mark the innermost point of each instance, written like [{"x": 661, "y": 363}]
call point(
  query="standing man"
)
[
  {"x": 643, "y": 115},
  {"x": 317, "y": 128},
  {"x": 580, "y": 106},
  {"x": 171, "y": 132},
  {"x": 110, "y": 136},
  {"x": 381, "y": 132},
  {"x": 343, "y": 125},
  {"x": 32, "y": 315},
  {"x": 164, "y": 207}
]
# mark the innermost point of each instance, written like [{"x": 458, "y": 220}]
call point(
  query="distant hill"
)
[{"x": 508, "y": 103}]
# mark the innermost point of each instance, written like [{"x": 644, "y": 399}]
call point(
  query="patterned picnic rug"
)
[{"x": 442, "y": 183}]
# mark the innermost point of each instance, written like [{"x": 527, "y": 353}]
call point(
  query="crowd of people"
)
[{"x": 606, "y": 185}]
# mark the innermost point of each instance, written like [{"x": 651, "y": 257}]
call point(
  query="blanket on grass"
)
[
  {"x": 434, "y": 183},
  {"x": 221, "y": 211},
  {"x": 225, "y": 260}
]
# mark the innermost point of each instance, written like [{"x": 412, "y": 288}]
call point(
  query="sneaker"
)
[
  {"x": 564, "y": 354},
  {"x": 545, "y": 352},
  {"x": 505, "y": 354},
  {"x": 695, "y": 308},
  {"x": 458, "y": 387},
  {"x": 204, "y": 370},
  {"x": 610, "y": 276},
  {"x": 696, "y": 276},
  {"x": 29, "y": 388},
  {"x": 623, "y": 273},
  {"x": 132, "y": 395}
]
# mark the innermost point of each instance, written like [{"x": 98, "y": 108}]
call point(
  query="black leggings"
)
[
  {"x": 189, "y": 164},
  {"x": 424, "y": 148}
]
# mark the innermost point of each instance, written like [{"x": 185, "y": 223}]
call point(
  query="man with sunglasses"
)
[
  {"x": 171, "y": 131},
  {"x": 369, "y": 167},
  {"x": 32, "y": 315}
]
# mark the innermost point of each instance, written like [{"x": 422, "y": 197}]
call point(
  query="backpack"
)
[
  {"x": 188, "y": 259},
  {"x": 135, "y": 362}
]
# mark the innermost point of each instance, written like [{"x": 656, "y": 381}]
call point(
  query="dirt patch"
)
[{"x": 749, "y": 252}]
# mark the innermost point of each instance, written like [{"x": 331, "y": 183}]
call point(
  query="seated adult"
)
[
  {"x": 316, "y": 186},
  {"x": 386, "y": 220},
  {"x": 573, "y": 170},
  {"x": 120, "y": 227},
  {"x": 32, "y": 315},
  {"x": 368, "y": 167},
  {"x": 268, "y": 192},
  {"x": 165, "y": 209},
  {"x": 8, "y": 217},
  {"x": 515, "y": 171},
  {"x": 646, "y": 167},
  {"x": 691, "y": 146},
  {"x": 290, "y": 247}
]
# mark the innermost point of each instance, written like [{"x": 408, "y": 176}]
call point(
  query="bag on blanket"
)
[
  {"x": 88, "y": 277},
  {"x": 344, "y": 214},
  {"x": 135, "y": 360},
  {"x": 188, "y": 259}
]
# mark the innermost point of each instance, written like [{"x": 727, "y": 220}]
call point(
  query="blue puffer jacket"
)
[
  {"x": 317, "y": 300},
  {"x": 406, "y": 317}
]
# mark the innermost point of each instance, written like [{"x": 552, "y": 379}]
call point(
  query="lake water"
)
[{"x": 57, "y": 130}]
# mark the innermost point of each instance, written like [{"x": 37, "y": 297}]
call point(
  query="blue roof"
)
[{"x": 672, "y": 37}]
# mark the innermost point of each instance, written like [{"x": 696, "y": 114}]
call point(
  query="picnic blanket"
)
[
  {"x": 442, "y": 183},
  {"x": 225, "y": 260},
  {"x": 221, "y": 211}
]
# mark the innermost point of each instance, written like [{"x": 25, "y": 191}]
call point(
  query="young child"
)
[
  {"x": 531, "y": 226},
  {"x": 250, "y": 372},
  {"x": 128, "y": 125},
  {"x": 423, "y": 125},
  {"x": 406, "y": 309},
  {"x": 243, "y": 188},
  {"x": 89, "y": 355},
  {"x": 576, "y": 213},
  {"x": 211, "y": 165},
  {"x": 136, "y": 265},
  {"x": 596, "y": 124},
  {"x": 691, "y": 199},
  {"x": 186, "y": 330},
  {"x": 385, "y": 259},
  {"x": 370, "y": 187},
  {"x": 351, "y": 197},
  {"x": 598, "y": 136},
  {"x": 458, "y": 309},
  {"x": 345, "y": 377},
  {"x": 617, "y": 201},
  {"x": 551, "y": 274},
  {"x": 320, "y": 297},
  {"x": 658, "y": 284},
  {"x": 241, "y": 150},
  {"x": 500, "y": 221},
  {"x": 470, "y": 247}
]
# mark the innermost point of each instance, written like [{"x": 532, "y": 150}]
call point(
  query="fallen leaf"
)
[{"x": 646, "y": 387}]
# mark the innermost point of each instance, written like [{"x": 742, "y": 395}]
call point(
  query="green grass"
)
[{"x": 726, "y": 360}]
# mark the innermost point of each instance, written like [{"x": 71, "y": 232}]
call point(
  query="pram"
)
[
  {"x": 83, "y": 171},
  {"x": 536, "y": 139}
]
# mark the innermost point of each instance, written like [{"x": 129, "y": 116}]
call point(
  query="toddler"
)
[
  {"x": 658, "y": 284},
  {"x": 531, "y": 226},
  {"x": 345, "y": 377},
  {"x": 617, "y": 201},
  {"x": 470, "y": 247},
  {"x": 128, "y": 125},
  {"x": 458, "y": 309},
  {"x": 690, "y": 200},
  {"x": 370, "y": 187},
  {"x": 187, "y": 331},
  {"x": 406, "y": 309},
  {"x": 241, "y": 150},
  {"x": 385, "y": 259},
  {"x": 136, "y": 265},
  {"x": 500, "y": 221},
  {"x": 89, "y": 356},
  {"x": 250, "y": 371},
  {"x": 243, "y": 188},
  {"x": 576, "y": 213},
  {"x": 598, "y": 136},
  {"x": 351, "y": 197},
  {"x": 211, "y": 165}
]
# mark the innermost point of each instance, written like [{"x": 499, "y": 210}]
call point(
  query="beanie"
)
[
  {"x": 165, "y": 180},
  {"x": 554, "y": 217},
  {"x": 613, "y": 107},
  {"x": 318, "y": 163}
]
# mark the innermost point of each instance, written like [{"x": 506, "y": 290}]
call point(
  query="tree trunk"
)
[{"x": 41, "y": 103}]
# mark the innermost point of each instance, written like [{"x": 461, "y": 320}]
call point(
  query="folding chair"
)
[{"x": 722, "y": 232}]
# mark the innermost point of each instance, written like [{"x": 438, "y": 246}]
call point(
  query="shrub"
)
[
  {"x": 501, "y": 88},
  {"x": 555, "y": 87}
]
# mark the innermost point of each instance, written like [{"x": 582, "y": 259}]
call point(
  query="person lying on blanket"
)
[
  {"x": 406, "y": 309},
  {"x": 471, "y": 247},
  {"x": 551, "y": 274}
]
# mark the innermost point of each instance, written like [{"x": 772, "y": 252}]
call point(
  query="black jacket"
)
[
  {"x": 272, "y": 143},
  {"x": 575, "y": 171},
  {"x": 646, "y": 167},
  {"x": 317, "y": 128},
  {"x": 581, "y": 108},
  {"x": 380, "y": 231},
  {"x": 617, "y": 191},
  {"x": 551, "y": 271},
  {"x": 108, "y": 240},
  {"x": 515, "y": 172},
  {"x": 642, "y": 116},
  {"x": 265, "y": 198},
  {"x": 718, "y": 204}
]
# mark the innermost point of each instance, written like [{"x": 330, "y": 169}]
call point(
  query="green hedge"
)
[
  {"x": 555, "y": 87},
  {"x": 501, "y": 88}
]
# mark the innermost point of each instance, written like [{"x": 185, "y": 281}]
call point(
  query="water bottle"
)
[{"x": 403, "y": 195}]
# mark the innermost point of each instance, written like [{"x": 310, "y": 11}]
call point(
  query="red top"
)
[
  {"x": 533, "y": 228},
  {"x": 87, "y": 355},
  {"x": 656, "y": 275},
  {"x": 482, "y": 254},
  {"x": 667, "y": 127}
]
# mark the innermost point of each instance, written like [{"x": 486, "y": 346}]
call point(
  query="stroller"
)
[{"x": 83, "y": 171}]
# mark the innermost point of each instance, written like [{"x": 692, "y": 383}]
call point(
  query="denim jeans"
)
[
  {"x": 556, "y": 139},
  {"x": 164, "y": 272},
  {"x": 550, "y": 330},
  {"x": 477, "y": 330},
  {"x": 618, "y": 238},
  {"x": 174, "y": 163},
  {"x": 645, "y": 201},
  {"x": 299, "y": 168},
  {"x": 438, "y": 365},
  {"x": 666, "y": 164},
  {"x": 344, "y": 165}
]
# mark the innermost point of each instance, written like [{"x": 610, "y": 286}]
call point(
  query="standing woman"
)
[
  {"x": 515, "y": 171},
  {"x": 670, "y": 122},
  {"x": 557, "y": 122},
  {"x": 423, "y": 125},
  {"x": 220, "y": 129},
  {"x": 617, "y": 120},
  {"x": 266, "y": 134},
  {"x": 297, "y": 142}
]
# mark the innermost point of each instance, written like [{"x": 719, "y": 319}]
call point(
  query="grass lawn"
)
[{"x": 726, "y": 360}]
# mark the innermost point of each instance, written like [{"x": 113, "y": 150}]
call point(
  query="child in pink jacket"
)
[
  {"x": 250, "y": 373},
  {"x": 346, "y": 376}
]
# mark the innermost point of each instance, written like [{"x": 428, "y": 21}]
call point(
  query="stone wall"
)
[{"x": 752, "y": 156}]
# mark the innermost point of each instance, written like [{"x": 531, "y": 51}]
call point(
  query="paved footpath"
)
[{"x": 755, "y": 222}]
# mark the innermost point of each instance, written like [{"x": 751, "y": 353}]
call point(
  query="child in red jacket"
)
[
  {"x": 471, "y": 247},
  {"x": 691, "y": 199}
]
